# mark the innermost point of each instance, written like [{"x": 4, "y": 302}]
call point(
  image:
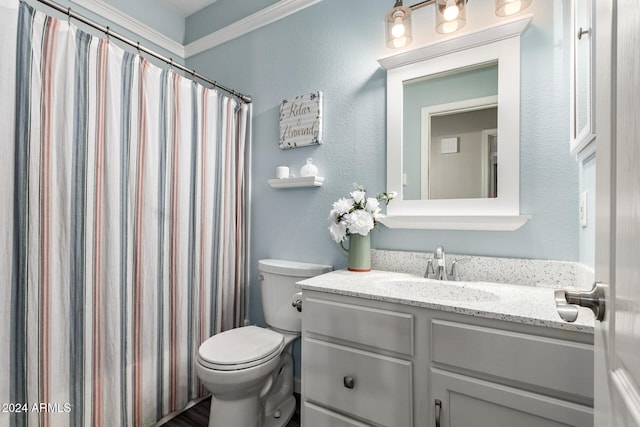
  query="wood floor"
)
[{"x": 198, "y": 416}]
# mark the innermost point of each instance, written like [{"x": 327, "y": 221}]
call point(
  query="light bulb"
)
[
  {"x": 512, "y": 7},
  {"x": 450, "y": 16},
  {"x": 398, "y": 27},
  {"x": 449, "y": 27},
  {"x": 451, "y": 11},
  {"x": 399, "y": 42}
]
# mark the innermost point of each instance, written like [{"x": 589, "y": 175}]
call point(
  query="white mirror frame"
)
[{"x": 499, "y": 42}]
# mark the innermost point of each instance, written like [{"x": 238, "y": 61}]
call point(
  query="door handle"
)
[
  {"x": 594, "y": 299},
  {"x": 582, "y": 32},
  {"x": 438, "y": 405}
]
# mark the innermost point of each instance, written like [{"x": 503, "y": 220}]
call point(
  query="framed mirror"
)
[{"x": 453, "y": 133}]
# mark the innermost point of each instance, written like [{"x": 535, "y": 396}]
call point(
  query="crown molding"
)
[
  {"x": 266, "y": 16},
  {"x": 119, "y": 18}
]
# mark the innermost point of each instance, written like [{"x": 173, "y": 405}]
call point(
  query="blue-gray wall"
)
[{"x": 333, "y": 46}]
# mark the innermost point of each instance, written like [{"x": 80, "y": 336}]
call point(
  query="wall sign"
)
[{"x": 301, "y": 121}]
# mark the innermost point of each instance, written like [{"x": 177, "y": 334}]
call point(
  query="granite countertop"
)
[{"x": 514, "y": 303}]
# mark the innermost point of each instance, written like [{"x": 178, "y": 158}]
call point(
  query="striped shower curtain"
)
[{"x": 123, "y": 220}]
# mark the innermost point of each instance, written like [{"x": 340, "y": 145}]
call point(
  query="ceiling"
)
[{"x": 189, "y": 7}]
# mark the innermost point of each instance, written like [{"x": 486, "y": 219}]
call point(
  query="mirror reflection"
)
[
  {"x": 462, "y": 155},
  {"x": 450, "y": 142}
]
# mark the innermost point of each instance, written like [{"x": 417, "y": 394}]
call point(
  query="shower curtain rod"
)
[{"x": 71, "y": 14}]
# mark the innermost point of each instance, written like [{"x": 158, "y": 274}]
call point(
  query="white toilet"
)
[{"x": 249, "y": 370}]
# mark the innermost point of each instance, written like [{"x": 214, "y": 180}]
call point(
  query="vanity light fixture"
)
[
  {"x": 398, "y": 26},
  {"x": 451, "y": 16}
]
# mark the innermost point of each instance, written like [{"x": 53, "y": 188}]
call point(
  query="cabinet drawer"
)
[
  {"x": 467, "y": 401},
  {"x": 319, "y": 417},
  {"x": 560, "y": 365},
  {"x": 383, "y": 329},
  {"x": 381, "y": 391}
]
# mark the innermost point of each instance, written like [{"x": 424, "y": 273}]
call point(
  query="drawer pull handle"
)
[
  {"x": 348, "y": 382},
  {"x": 438, "y": 409}
]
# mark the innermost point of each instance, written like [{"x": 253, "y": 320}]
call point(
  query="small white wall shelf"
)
[{"x": 305, "y": 181}]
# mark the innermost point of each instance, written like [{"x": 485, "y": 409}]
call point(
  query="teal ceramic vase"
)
[{"x": 359, "y": 253}]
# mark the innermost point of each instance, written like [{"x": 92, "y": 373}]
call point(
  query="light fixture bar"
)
[
  {"x": 422, "y": 4},
  {"x": 451, "y": 16}
]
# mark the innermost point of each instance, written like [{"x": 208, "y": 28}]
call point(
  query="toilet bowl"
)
[
  {"x": 249, "y": 370},
  {"x": 236, "y": 366}
]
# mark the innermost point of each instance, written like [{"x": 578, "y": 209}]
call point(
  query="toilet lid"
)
[{"x": 240, "y": 348}]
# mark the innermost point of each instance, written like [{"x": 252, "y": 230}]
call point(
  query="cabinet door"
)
[
  {"x": 466, "y": 401},
  {"x": 582, "y": 78}
]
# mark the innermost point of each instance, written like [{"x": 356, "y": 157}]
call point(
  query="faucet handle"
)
[
  {"x": 429, "y": 267},
  {"x": 454, "y": 271}
]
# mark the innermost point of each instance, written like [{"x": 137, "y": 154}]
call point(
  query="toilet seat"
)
[{"x": 240, "y": 348}]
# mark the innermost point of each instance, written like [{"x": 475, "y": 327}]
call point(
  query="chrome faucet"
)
[{"x": 441, "y": 272}]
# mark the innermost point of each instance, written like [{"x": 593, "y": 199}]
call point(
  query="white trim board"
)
[
  {"x": 495, "y": 32},
  {"x": 266, "y": 16},
  {"x": 118, "y": 17}
]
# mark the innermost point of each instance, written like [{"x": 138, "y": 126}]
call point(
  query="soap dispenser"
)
[{"x": 309, "y": 169}]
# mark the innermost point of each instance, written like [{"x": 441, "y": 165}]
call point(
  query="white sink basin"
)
[{"x": 437, "y": 290}]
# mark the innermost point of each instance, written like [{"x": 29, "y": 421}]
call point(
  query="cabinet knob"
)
[{"x": 348, "y": 382}]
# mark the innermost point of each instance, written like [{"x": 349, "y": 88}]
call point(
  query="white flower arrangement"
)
[{"x": 356, "y": 214}]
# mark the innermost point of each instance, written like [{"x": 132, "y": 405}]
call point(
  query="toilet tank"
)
[{"x": 278, "y": 286}]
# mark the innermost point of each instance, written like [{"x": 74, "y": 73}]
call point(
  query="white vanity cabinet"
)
[
  {"x": 369, "y": 362},
  {"x": 484, "y": 376}
]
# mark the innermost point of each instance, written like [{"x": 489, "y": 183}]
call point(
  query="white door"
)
[{"x": 617, "y": 339}]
